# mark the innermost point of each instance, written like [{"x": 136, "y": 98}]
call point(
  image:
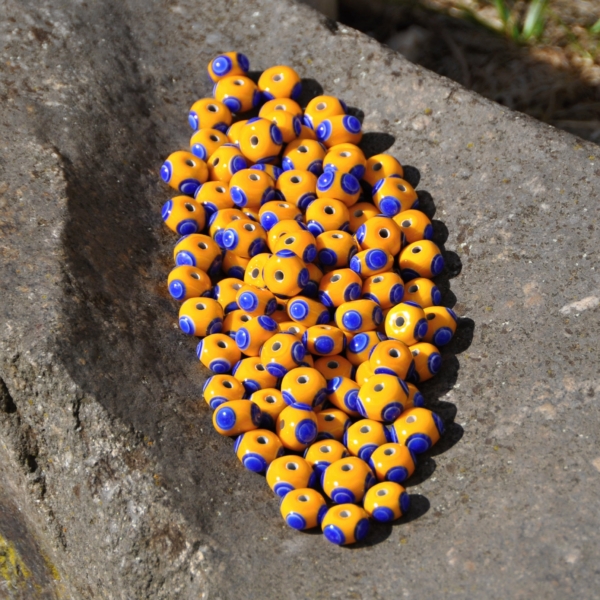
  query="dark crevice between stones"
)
[{"x": 7, "y": 404}]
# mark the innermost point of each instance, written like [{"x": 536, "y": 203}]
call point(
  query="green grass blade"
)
[
  {"x": 503, "y": 11},
  {"x": 595, "y": 28},
  {"x": 534, "y": 20}
]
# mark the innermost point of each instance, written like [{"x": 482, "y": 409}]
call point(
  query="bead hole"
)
[
  {"x": 189, "y": 207},
  {"x": 416, "y": 250},
  {"x": 303, "y": 498},
  {"x": 302, "y": 149},
  {"x": 270, "y": 399},
  {"x": 416, "y": 352},
  {"x": 378, "y": 279},
  {"x": 281, "y": 426},
  {"x": 260, "y": 367},
  {"x": 325, "y": 449},
  {"x": 329, "y": 210},
  {"x": 411, "y": 419},
  {"x": 332, "y": 364},
  {"x": 430, "y": 316},
  {"x": 345, "y": 514},
  {"x": 294, "y": 330},
  {"x": 279, "y": 275},
  {"x": 276, "y": 346},
  {"x": 194, "y": 276},
  {"x": 249, "y": 227},
  {"x": 290, "y": 466},
  {"x": 221, "y": 190},
  {"x": 280, "y": 107},
  {"x": 329, "y": 418},
  {"x": 394, "y": 353},
  {"x": 401, "y": 187},
  {"x": 382, "y": 492},
  {"x": 202, "y": 245},
  {"x": 365, "y": 429},
  {"x": 384, "y": 233},
  {"x": 238, "y": 82},
  {"x": 283, "y": 205},
  {"x": 190, "y": 163},
  {"x": 377, "y": 166},
  {"x": 262, "y": 439},
  {"x": 358, "y": 213},
  {"x": 228, "y": 385},
  {"x": 221, "y": 344},
  {"x": 212, "y": 108},
  {"x": 321, "y": 106},
  {"x": 337, "y": 236},
  {"x": 213, "y": 138},
  {"x": 400, "y": 322},
  {"x": 216, "y": 162},
  {"x": 406, "y": 223},
  {"x": 200, "y": 306},
  {"x": 345, "y": 154},
  {"x": 253, "y": 177},
  {"x": 347, "y": 467},
  {"x": 379, "y": 387},
  {"x": 244, "y": 318},
  {"x": 389, "y": 451},
  {"x": 335, "y": 278},
  {"x": 413, "y": 288},
  {"x": 295, "y": 179},
  {"x": 277, "y": 77},
  {"x": 237, "y": 286},
  {"x": 302, "y": 379},
  {"x": 254, "y": 140},
  {"x": 254, "y": 273},
  {"x": 289, "y": 241}
]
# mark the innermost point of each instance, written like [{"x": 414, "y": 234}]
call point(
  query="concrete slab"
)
[{"x": 102, "y": 426}]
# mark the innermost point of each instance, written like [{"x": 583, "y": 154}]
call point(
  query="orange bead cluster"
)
[{"x": 305, "y": 268}]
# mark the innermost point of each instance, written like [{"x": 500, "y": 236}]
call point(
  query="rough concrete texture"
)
[{"x": 114, "y": 484}]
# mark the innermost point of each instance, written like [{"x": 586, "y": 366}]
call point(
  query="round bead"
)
[
  {"x": 332, "y": 424},
  {"x": 345, "y": 158},
  {"x": 286, "y": 104},
  {"x": 306, "y": 133},
  {"x": 233, "y": 321},
  {"x": 233, "y": 133},
  {"x": 275, "y": 211},
  {"x": 392, "y": 462},
  {"x": 296, "y": 427},
  {"x": 271, "y": 403},
  {"x": 280, "y": 81},
  {"x": 364, "y": 372},
  {"x": 391, "y": 357},
  {"x": 272, "y": 170},
  {"x": 380, "y": 166},
  {"x": 225, "y": 162},
  {"x": 255, "y": 301},
  {"x": 186, "y": 282},
  {"x": 218, "y": 352},
  {"x": 441, "y": 325},
  {"x": 323, "y": 453},
  {"x": 322, "y": 107},
  {"x": 214, "y": 196},
  {"x": 324, "y": 340},
  {"x": 253, "y": 375},
  {"x": 414, "y": 225},
  {"x": 311, "y": 289},
  {"x": 380, "y": 232},
  {"x": 260, "y": 140},
  {"x": 387, "y": 289},
  {"x": 342, "y": 392},
  {"x": 283, "y": 228},
  {"x": 200, "y": 317},
  {"x": 302, "y": 243},
  {"x": 281, "y": 353},
  {"x": 361, "y": 345},
  {"x": 292, "y": 327},
  {"x": 421, "y": 259},
  {"x": 257, "y": 449},
  {"x": 382, "y": 398},
  {"x": 254, "y": 334},
  {"x": 415, "y": 398},
  {"x": 326, "y": 214},
  {"x": 371, "y": 262},
  {"x": 285, "y": 273},
  {"x": 339, "y": 286},
  {"x": 244, "y": 238},
  {"x": 406, "y": 322},
  {"x": 345, "y": 524},
  {"x": 222, "y": 388},
  {"x": 303, "y": 508},
  {"x": 225, "y": 293},
  {"x": 306, "y": 311},
  {"x": 341, "y": 186},
  {"x": 364, "y": 436},
  {"x": 418, "y": 429},
  {"x": 347, "y": 480},
  {"x": 254, "y": 271},
  {"x": 289, "y": 125},
  {"x": 184, "y": 172},
  {"x": 358, "y": 316},
  {"x": 251, "y": 188},
  {"x": 208, "y": 113},
  {"x": 335, "y": 249},
  {"x": 360, "y": 213},
  {"x": 198, "y": 250},
  {"x": 221, "y": 219},
  {"x": 304, "y": 155},
  {"x": 238, "y": 93},
  {"x": 228, "y": 64},
  {"x": 423, "y": 292},
  {"x": 339, "y": 129},
  {"x": 334, "y": 366},
  {"x": 235, "y": 417},
  {"x": 205, "y": 142},
  {"x": 428, "y": 362},
  {"x": 297, "y": 187},
  {"x": 289, "y": 473},
  {"x": 304, "y": 386},
  {"x": 393, "y": 195},
  {"x": 183, "y": 215},
  {"x": 386, "y": 502}
]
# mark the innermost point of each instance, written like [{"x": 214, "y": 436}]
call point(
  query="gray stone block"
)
[{"x": 106, "y": 446}]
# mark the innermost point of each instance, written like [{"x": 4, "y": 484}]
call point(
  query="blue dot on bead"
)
[
  {"x": 243, "y": 62},
  {"x": 327, "y": 257},
  {"x": 438, "y": 423},
  {"x": 275, "y": 369},
  {"x": 189, "y": 186},
  {"x": 321, "y": 514},
  {"x": 222, "y": 127},
  {"x": 361, "y": 407},
  {"x": 376, "y": 259},
  {"x": 298, "y": 352},
  {"x": 258, "y": 246},
  {"x": 225, "y": 418},
  {"x": 351, "y": 400},
  {"x": 237, "y": 164},
  {"x": 254, "y": 462},
  {"x": 303, "y": 277},
  {"x": 377, "y": 185},
  {"x": 358, "y": 171},
  {"x": 352, "y": 292},
  {"x": 166, "y": 209},
  {"x": 323, "y": 130},
  {"x": 418, "y": 443},
  {"x": 350, "y": 184},
  {"x": 200, "y": 151},
  {"x": 219, "y": 366},
  {"x": 295, "y": 521},
  {"x": 306, "y": 431},
  {"x": 242, "y": 338},
  {"x": 360, "y": 233},
  {"x": 282, "y": 488},
  {"x": 377, "y": 315},
  {"x": 396, "y": 293},
  {"x": 216, "y": 401},
  {"x": 187, "y": 325},
  {"x": 275, "y": 133},
  {"x": 325, "y": 299},
  {"x": 166, "y": 171},
  {"x": 334, "y": 534},
  {"x": 397, "y": 474},
  {"x": 409, "y": 274},
  {"x": 177, "y": 289},
  {"x": 233, "y": 104},
  {"x": 436, "y": 296},
  {"x": 437, "y": 264},
  {"x": 421, "y": 329},
  {"x": 315, "y": 228},
  {"x": 392, "y": 411},
  {"x": 351, "y": 124},
  {"x": 296, "y": 90},
  {"x": 230, "y": 239},
  {"x": 187, "y": 226},
  {"x": 442, "y": 336},
  {"x": 389, "y": 206},
  {"x": 215, "y": 326},
  {"x": 238, "y": 196},
  {"x": 325, "y": 181},
  {"x": 383, "y": 514},
  {"x": 355, "y": 264},
  {"x": 299, "y": 310},
  {"x": 358, "y": 343},
  {"x": 222, "y": 65},
  {"x": 324, "y": 345},
  {"x": 428, "y": 233},
  {"x": 352, "y": 320},
  {"x": 238, "y": 441},
  {"x": 342, "y": 495},
  {"x": 287, "y": 164},
  {"x": 316, "y": 167},
  {"x": 255, "y": 414},
  {"x": 310, "y": 253},
  {"x": 193, "y": 121},
  {"x": 366, "y": 451},
  {"x": 267, "y": 323}
]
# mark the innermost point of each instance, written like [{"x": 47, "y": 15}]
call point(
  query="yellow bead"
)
[
  {"x": 257, "y": 449},
  {"x": 275, "y": 211},
  {"x": 260, "y": 140},
  {"x": 282, "y": 228},
  {"x": 253, "y": 375},
  {"x": 285, "y": 274},
  {"x": 233, "y": 133},
  {"x": 360, "y": 213},
  {"x": 393, "y": 195},
  {"x": 346, "y": 158},
  {"x": 342, "y": 392},
  {"x": 280, "y": 81},
  {"x": 297, "y": 187},
  {"x": 286, "y": 104},
  {"x": 380, "y": 166},
  {"x": 296, "y": 427},
  {"x": 311, "y": 289},
  {"x": 335, "y": 249},
  {"x": 304, "y": 387},
  {"x": 200, "y": 317},
  {"x": 339, "y": 286},
  {"x": 184, "y": 172},
  {"x": 386, "y": 502},
  {"x": 208, "y": 113},
  {"x": 306, "y": 133},
  {"x": 254, "y": 300},
  {"x": 235, "y": 417},
  {"x": 340, "y": 129},
  {"x": 238, "y": 93},
  {"x": 304, "y": 155},
  {"x": 218, "y": 352},
  {"x": 441, "y": 325},
  {"x": 387, "y": 289},
  {"x": 392, "y": 462},
  {"x": 334, "y": 366},
  {"x": 360, "y": 347},
  {"x": 324, "y": 340},
  {"x": 380, "y": 232},
  {"x": 391, "y": 357},
  {"x": 188, "y": 282},
  {"x": 254, "y": 334},
  {"x": 289, "y": 473},
  {"x": 306, "y": 311},
  {"x": 428, "y": 361},
  {"x": 279, "y": 315},
  {"x": 422, "y": 291},
  {"x": 341, "y": 186},
  {"x": 371, "y": 262},
  {"x": 233, "y": 321},
  {"x": 198, "y": 250},
  {"x": 282, "y": 353},
  {"x": 345, "y": 524},
  {"x": 296, "y": 329},
  {"x": 220, "y": 220},
  {"x": 406, "y": 322},
  {"x": 205, "y": 142},
  {"x": 364, "y": 436},
  {"x": 421, "y": 259},
  {"x": 289, "y": 125},
  {"x": 225, "y": 293},
  {"x": 382, "y": 398},
  {"x": 364, "y": 372},
  {"x": 254, "y": 270},
  {"x": 323, "y": 453},
  {"x": 222, "y": 388},
  {"x": 245, "y": 238},
  {"x": 301, "y": 242},
  {"x": 251, "y": 188},
  {"x": 214, "y": 196},
  {"x": 225, "y": 162},
  {"x": 322, "y": 107},
  {"x": 234, "y": 266},
  {"x": 271, "y": 403},
  {"x": 303, "y": 508},
  {"x": 332, "y": 424},
  {"x": 415, "y": 398},
  {"x": 358, "y": 316},
  {"x": 347, "y": 480},
  {"x": 414, "y": 225},
  {"x": 326, "y": 214},
  {"x": 228, "y": 64},
  {"x": 418, "y": 429}
]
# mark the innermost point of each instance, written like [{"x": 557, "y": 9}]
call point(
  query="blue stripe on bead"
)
[
  {"x": 360, "y": 234},
  {"x": 199, "y": 150},
  {"x": 324, "y": 130},
  {"x": 349, "y": 184},
  {"x": 305, "y": 200},
  {"x": 389, "y": 206},
  {"x": 219, "y": 366},
  {"x": 366, "y": 451},
  {"x": 298, "y": 352},
  {"x": 315, "y": 167},
  {"x": 237, "y": 164},
  {"x": 327, "y": 257},
  {"x": 166, "y": 209},
  {"x": 230, "y": 239},
  {"x": 275, "y": 134},
  {"x": 295, "y": 521},
  {"x": 376, "y": 259},
  {"x": 325, "y": 299},
  {"x": 166, "y": 171},
  {"x": 187, "y": 227},
  {"x": 404, "y": 502},
  {"x": 436, "y": 296},
  {"x": 352, "y": 292},
  {"x": 193, "y": 120},
  {"x": 356, "y": 265},
  {"x": 215, "y": 326},
  {"x": 351, "y": 400},
  {"x": 276, "y": 369},
  {"x": 216, "y": 401},
  {"x": 222, "y": 65},
  {"x": 321, "y": 514},
  {"x": 310, "y": 253},
  {"x": 267, "y": 323},
  {"x": 233, "y": 104},
  {"x": 303, "y": 277},
  {"x": 351, "y": 124},
  {"x": 409, "y": 274},
  {"x": 238, "y": 442},
  {"x": 315, "y": 228},
  {"x": 358, "y": 171},
  {"x": 358, "y": 343},
  {"x": 428, "y": 233},
  {"x": 438, "y": 423},
  {"x": 421, "y": 329},
  {"x": 258, "y": 246},
  {"x": 238, "y": 196},
  {"x": 296, "y": 90},
  {"x": 242, "y": 338}
]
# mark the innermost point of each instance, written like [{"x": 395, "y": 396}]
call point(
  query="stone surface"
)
[{"x": 114, "y": 484}]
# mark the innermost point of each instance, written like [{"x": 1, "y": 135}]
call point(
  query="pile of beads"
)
[{"x": 306, "y": 270}]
